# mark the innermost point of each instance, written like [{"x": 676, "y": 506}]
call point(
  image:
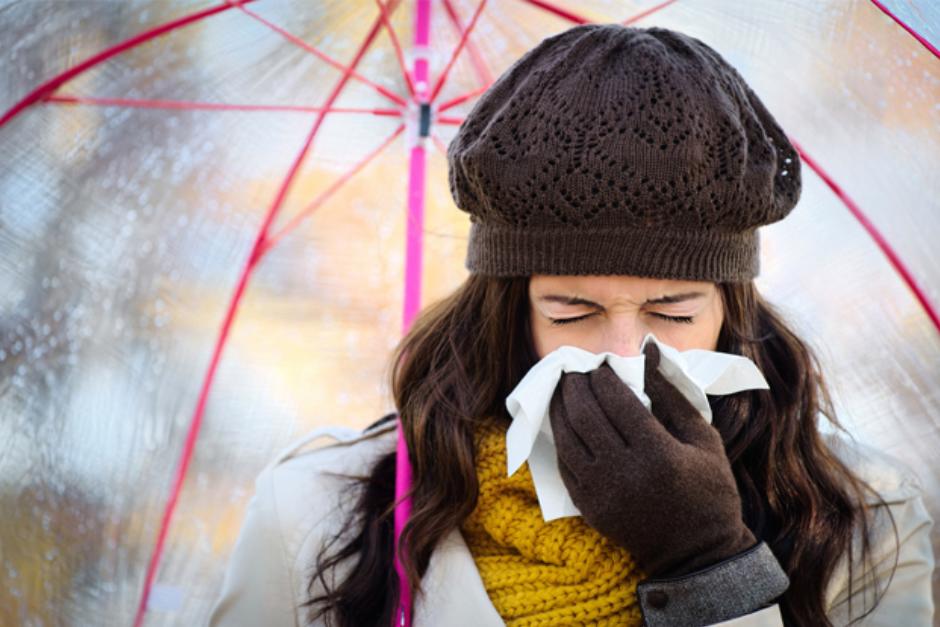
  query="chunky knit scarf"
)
[{"x": 558, "y": 573}]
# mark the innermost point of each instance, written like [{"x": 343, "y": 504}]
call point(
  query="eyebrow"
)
[{"x": 665, "y": 300}]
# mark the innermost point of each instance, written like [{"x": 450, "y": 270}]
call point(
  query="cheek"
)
[
  {"x": 545, "y": 337},
  {"x": 688, "y": 336},
  {"x": 706, "y": 329},
  {"x": 702, "y": 334},
  {"x": 716, "y": 321}
]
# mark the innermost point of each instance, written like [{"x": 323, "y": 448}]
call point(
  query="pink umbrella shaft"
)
[
  {"x": 416, "y": 176},
  {"x": 402, "y": 512}
]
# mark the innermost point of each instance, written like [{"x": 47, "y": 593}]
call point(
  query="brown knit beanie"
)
[{"x": 608, "y": 149}]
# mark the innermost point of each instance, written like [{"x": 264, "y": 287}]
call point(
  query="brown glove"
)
[{"x": 657, "y": 483}]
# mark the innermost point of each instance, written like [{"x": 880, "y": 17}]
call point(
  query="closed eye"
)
[
  {"x": 680, "y": 319},
  {"x": 676, "y": 319},
  {"x": 569, "y": 320}
]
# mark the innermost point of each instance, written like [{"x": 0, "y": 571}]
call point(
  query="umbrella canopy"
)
[{"x": 216, "y": 220}]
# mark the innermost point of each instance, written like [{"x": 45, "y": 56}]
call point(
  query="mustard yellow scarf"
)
[{"x": 558, "y": 573}]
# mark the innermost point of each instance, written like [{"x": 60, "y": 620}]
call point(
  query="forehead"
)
[{"x": 607, "y": 287}]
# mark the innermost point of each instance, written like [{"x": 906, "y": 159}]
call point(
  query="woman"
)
[{"x": 615, "y": 178}]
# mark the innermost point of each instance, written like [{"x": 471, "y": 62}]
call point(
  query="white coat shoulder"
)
[
  {"x": 898, "y": 504},
  {"x": 901, "y": 549},
  {"x": 301, "y": 499}
]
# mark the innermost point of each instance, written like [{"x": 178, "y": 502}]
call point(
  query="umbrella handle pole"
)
[
  {"x": 403, "y": 471},
  {"x": 402, "y": 615}
]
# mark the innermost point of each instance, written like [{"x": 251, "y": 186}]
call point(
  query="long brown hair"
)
[{"x": 465, "y": 353}]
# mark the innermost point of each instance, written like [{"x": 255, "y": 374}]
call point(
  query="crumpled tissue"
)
[{"x": 694, "y": 372}]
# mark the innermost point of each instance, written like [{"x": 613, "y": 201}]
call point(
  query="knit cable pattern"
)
[{"x": 558, "y": 573}]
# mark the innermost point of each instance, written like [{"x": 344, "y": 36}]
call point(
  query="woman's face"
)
[{"x": 614, "y": 313}]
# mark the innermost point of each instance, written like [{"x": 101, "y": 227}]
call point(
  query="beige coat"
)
[{"x": 295, "y": 507}]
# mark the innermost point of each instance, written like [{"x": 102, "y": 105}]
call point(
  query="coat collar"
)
[{"x": 453, "y": 593}]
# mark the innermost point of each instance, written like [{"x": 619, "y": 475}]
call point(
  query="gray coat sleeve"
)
[{"x": 734, "y": 587}]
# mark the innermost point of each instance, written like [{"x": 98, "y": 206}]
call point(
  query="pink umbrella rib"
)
[
  {"x": 580, "y": 19},
  {"x": 253, "y": 258},
  {"x": 453, "y": 57},
  {"x": 483, "y": 71},
  {"x": 383, "y": 10},
  {"x": 326, "y": 194},
  {"x": 479, "y": 65},
  {"x": 439, "y": 144},
  {"x": 639, "y": 16},
  {"x": 210, "y": 106},
  {"x": 54, "y": 83},
  {"x": 560, "y": 12},
  {"x": 893, "y": 258},
  {"x": 324, "y": 57},
  {"x": 453, "y": 102},
  {"x": 926, "y": 44}
]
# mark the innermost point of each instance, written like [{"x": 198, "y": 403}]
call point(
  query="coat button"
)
[{"x": 657, "y": 599}]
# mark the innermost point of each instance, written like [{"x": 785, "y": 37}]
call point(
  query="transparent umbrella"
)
[{"x": 216, "y": 220}]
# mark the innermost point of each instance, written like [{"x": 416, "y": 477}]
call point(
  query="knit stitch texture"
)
[
  {"x": 609, "y": 149},
  {"x": 561, "y": 572}
]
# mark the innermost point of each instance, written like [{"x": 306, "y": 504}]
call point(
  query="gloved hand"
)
[{"x": 657, "y": 483}]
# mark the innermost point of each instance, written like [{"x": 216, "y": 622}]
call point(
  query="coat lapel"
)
[{"x": 453, "y": 591}]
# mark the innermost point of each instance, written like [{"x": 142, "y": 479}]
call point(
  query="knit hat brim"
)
[{"x": 716, "y": 256}]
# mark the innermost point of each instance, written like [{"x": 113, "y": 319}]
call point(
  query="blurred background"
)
[{"x": 124, "y": 229}]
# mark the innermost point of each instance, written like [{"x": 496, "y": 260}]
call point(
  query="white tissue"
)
[{"x": 529, "y": 438}]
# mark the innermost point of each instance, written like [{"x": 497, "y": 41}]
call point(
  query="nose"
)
[{"x": 622, "y": 337}]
